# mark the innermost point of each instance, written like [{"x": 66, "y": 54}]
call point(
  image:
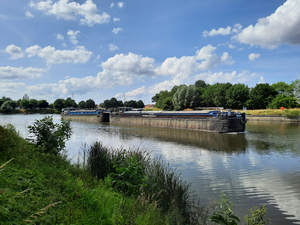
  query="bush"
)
[{"x": 48, "y": 136}]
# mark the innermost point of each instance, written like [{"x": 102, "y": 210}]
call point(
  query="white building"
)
[{"x": 26, "y": 97}]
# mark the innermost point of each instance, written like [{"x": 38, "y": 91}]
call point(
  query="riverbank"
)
[
  {"x": 37, "y": 188},
  {"x": 31, "y": 111}
]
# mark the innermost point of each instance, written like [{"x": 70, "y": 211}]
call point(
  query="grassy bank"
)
[
  {"x": 37, "y": 188},
  {"x": 274, "y": 112}
]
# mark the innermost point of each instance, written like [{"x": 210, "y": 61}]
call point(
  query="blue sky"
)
[{"x": 102, "y": 49}]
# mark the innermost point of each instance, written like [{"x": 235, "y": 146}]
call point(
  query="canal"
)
[{"x": 260, "y": 166}]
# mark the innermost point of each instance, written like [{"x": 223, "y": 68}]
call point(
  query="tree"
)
[
  {"x": 82, "y": 105},
  {"x": 200, "y": 83},
  {"x": 32, "y": 103},
  {"x": 261, "y": 96},
  {"x": 24, "y": 104},
  {"x": 283, "y": 100},
  {"x": 4, "y": 99},
  {"x": 90, "y": 104},
  {"x": 48, "y": 136},
  {"x": 295, "y": 85},
  {"x": 186, "y": 97},
  {"x": 237, "y": 96},
  {"x": 140, "y": 104},
  {"x": 131, "y": 103},
  {"x": 113, "y": 102},
  {"x": 42, "y": 104},
  {"x": 283, "y": 88},
  {"x": 70, "y": 103},
  {"x": 59, "y": 104},
  {"x": 7, "y": 107}
]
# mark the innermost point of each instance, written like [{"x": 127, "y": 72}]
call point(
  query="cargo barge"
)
[{"x": 212, "y": 121}]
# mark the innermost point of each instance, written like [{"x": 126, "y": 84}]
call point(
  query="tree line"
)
[
  {"x": 7, "y": 104},
  {"x": 227, "y": 95}
]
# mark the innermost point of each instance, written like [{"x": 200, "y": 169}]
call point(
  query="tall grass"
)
[
  {"x": 274, "y": 112},
  {"x": 159, "y": 183}
]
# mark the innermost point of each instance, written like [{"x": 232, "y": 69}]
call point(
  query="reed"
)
[{"x": 151, "y": 178}]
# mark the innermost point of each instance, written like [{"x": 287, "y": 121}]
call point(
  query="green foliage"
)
[
  {"x": 237, "y": 96},
  {"x": 261, "y": 96},
  {"x": 129, "y": 174},
  {"x": 295, "y": 85},
  {"x": 256, "y": 216},
  {"x": 70, "y": 103},
  {"x": 82, "y": 105},
  {"x": 42, "y": 104},
  {"x": 283, "y": 88},
  {"x": 9, "y": 138},
  {"x": 186, "y": 97},
  {"x": 7, "y": 107},
  {"x": 291, "y": 113},
  {"x": 46, "y": 189},
  {"x": 225, "y": 214},
  {"x": 49, "y": 136},
  {"x": 282, "y": 100},
  {"x": 90, "y": 104},
  {"x": 33, "y": 103},
  {"x": 24, "y": 103},
  {"x": 59, "y": 104}
]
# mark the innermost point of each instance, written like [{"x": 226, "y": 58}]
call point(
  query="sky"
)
[{"x": 133, "y": 49}]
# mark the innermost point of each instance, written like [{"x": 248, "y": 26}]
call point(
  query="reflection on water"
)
[{"x": 260, "y": 166}]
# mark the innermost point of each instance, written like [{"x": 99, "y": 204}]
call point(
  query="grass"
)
[
  {"x": 275, "y": 112},
  {"x": 37, "y": 188}
]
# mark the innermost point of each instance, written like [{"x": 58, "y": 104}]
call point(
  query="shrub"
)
[{"x": 48, "y": 136}]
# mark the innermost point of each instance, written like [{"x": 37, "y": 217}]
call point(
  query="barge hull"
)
[{"x": 213, "y": 124}]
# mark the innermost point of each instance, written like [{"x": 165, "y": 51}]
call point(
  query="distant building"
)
[
  {"x": 26, "y": 97},
  {"x": 149, "y": 106}
]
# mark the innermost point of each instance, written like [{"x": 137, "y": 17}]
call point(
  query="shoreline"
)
[{"x": 273, "y": 118}]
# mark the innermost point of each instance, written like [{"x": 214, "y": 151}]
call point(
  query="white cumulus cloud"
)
[
  {"x": 135, "y": 94},
  {"x": 116, "y": 19},
  {"x": 222, "y": 31},
  {"x": 121, "y": 5},
  {"x": 253, "y": 56},
  {"x": 73, "y": 36},
  {"x": 28, "y": 15},
  {"x": 11, "y": 73},
  {"x": 63, "y": 9},
  {"x": 52, "y": 56},
  {"x": 116, "y": 30},
  {"x": 113, "y": 47},
  {"x": 283, "y": 26},
  {"x": 15, "y": 51},
  {"x": 60, "y": 37}
]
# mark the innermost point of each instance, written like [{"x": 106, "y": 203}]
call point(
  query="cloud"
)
[
  {"x": 261, "y": 80},
  {"x": 221, "y": 77},
  {"x": 116, "y": 19},
  {"x": 10, "y": 87},
  {"x": 222, "y": 31},
  {"x": 72, "y": 36},
  {"x": 112, "y": 5},
  {"x": 121, "y": 5},
  {"x": 135, "y": 94},
  {"x": 113, "y": 47},
  {"x": 12, "y": 73},
  {"x": 60, "y": 37},
  {"x": 52, "y": 56},
  {"x": 28, "y": 15},
  {"x": 15, "y": 51},
  {"x": 182, "y": 68},
  {"x": 253, "y": 56},
  {"x": 116, "y": 30},
  {"x": 63, "y": 9},
  {"x": 131, "y": 63},
  {"x": 283, "y": 26}
]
